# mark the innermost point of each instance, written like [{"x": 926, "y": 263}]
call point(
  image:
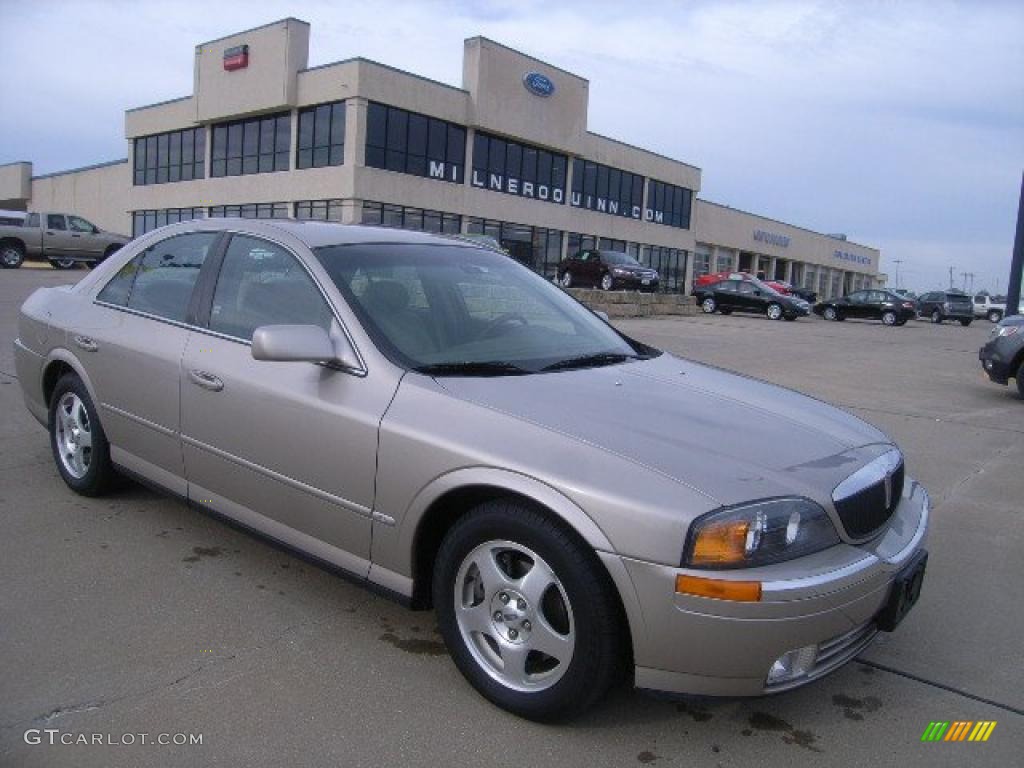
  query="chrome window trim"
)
[
  {"x": 870, "y": 474},
  {"x": 361, "y": 371}
]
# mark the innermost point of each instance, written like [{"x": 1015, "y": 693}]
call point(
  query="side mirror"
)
[
  {"x": 602, "y": 315},
  {"x": 304, "y": 344},
  {"x": 757, "y": 293}
]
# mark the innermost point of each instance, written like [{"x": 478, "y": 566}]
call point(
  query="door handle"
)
[
  {"x": 206, "y": 380},
  {"x": 86, "y": 343},
  {"x": 76, "y": 235}
]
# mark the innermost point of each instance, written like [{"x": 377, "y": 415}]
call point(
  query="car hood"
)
[{"x": 727, "y": 436}]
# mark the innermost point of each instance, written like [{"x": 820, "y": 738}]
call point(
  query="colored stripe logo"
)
[{"x": 958, "y": 730}]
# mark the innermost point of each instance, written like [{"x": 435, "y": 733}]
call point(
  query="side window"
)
[
  {"x": 55, "y": 221},
  {"x": 747, "y": 288},
  {"x": 167, "y": 274},
  {"x": 119, "y": 288},
  {"x": 262, "y": 284},
  {"x": 32, "y": 220},
  {"x": 859, "y": 297},
  {"x": 78, "y": 224}
]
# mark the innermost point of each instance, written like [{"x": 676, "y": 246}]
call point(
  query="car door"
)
[
  {"x": 131, "y": 341},
  {"x": 86, "y": 241},
  {"x": 288, "y": 448},
  {"x": 724, "y": 293},
  {"x": 877, "y": 303},
  {"x": 57, "y": 240},
  {"x": 855, "y": 305},
  {"x": 747, "y": 298}
]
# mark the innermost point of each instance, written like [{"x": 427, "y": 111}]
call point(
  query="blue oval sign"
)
[{"x": 538, "y": 84}]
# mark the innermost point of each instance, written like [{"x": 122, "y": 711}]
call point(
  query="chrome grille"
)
[{"x": 868, "y": 498}]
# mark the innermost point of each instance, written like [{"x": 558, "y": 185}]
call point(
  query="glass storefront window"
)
[
  {"x": 321, "y": 136},
  {"x": 319, "y": 210},
  {"x": 406, "y": 217},
  {"x": 170, "y": 157},
  {"x": 408, "y": 142},
  {"x": 609, "y": 190},
  {"x": 146, "y": 221},
  {"x": 668, "y": 204},
  {"x": 502, "y": 165},
  {"x": 257, "y": 145}
]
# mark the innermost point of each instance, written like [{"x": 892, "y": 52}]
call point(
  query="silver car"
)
[{"x": 436, "y": 419}]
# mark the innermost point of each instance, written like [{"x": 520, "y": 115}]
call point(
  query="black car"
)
[
  {"x": 890, "y": 308},
  {"x": 946, "y": 305},
  {"x": 606, "y": 270},
  {"x": 1003, "y": 356},
  {"x": 728, "y": 296}
]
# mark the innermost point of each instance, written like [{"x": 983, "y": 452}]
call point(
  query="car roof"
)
[{"x": 316, "y": 234}]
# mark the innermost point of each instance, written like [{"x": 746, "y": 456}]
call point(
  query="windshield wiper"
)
[
  {"x": 486, "y": 368},
  {"x": 589, "y": 361}
]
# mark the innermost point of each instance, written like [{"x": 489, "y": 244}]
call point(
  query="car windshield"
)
[
  {"x": 461, "y": 310},
  {"x": 623, "y": 259}
]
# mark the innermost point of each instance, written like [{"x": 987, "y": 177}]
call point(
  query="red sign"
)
[{"x": 236, "y": 58}]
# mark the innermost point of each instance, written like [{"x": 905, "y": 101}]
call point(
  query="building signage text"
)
[
  {"x": 514, "y": 186},
  {"x": 771, "y": 238},
  {"x": 854, "y": 257},
  {"x": 602, "y": 205}
]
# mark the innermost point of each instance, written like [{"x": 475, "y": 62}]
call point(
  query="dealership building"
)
[{"x": 507, "y": 154}]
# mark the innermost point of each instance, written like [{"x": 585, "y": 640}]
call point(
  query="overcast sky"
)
[{"x": 900, "y": 124}]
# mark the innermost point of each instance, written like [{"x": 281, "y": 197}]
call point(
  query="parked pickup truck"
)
[
  {"x": 992, "y": 307},
  {"x": 61, "y": 238}
]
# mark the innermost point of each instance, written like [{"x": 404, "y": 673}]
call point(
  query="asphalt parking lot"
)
[{"x": 135, "y": 614}]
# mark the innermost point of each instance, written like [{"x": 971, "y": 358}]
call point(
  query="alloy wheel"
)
[
  {"x": 830, "y": 313},
  {"x": 708, "y": 306},
  {"x": 10, "y": 257},
  {"x": 607, "y": 282},
  {"x": 514, "y": 616},
  {"x": 567, "y": 280},
  {"x": 889, "y": 318},
  {"x": 74, "y": 435},
  {"x": 774, "y": 312}
]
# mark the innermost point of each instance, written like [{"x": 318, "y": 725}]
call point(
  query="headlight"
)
[
  {"x": 620, "y": 272},
  {"x": 759, "y": 533}
]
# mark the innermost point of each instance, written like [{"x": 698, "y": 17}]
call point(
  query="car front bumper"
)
[
  {"x": 634, "y": 283},
  {"x": 996, "y": 359},
  {"x": 704, "y": 646}
]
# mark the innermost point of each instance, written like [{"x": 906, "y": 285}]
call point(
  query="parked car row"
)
[{"x": 63, "y": 239}]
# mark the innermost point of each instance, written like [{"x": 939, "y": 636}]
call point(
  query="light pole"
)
[{"x": 897, "y": 262}]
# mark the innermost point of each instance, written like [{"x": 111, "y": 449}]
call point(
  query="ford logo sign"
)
[{"x": 538, "y": 84}]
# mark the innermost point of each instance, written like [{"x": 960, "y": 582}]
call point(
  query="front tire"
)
[
  {"x": 11, "y": 256},
  {"x": 527, "y": 612},
  {"x": 708, "y": 306},
  {"x": 566, "y": 281},
  {"x": 63, "y": 263},
  {"x": 79, "y": 444},
  {"x": 936, "y": 317}
]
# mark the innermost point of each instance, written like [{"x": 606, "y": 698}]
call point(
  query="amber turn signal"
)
[
  {"x": 721, "y": 543},
  {"x": 719, "y": 589}
]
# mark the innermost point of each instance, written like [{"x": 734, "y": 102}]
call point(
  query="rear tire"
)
[
  {"x": 493, "y": 614},
  {"x": 965, "y": 323},
  {"x": 607, "y": 281},
  {"x": 994, "y": 316},
  {"x": 708, "y": 306},
  {"x": 12, "y": 256},
  {"x": 566, "y": 281},
  {"x": 774, "y": 311},
  {"x": 63, "y": 263},
  {"x": 936, "y": 317},
  {"x": 79, "y": 444},
  {"x": 889, "y": 318},
  {"x": 830, "y": 313}
]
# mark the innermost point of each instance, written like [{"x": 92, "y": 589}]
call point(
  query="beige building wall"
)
[
  {"x": 15, "y": 185},
  {"x": 98, "y": 193}
]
